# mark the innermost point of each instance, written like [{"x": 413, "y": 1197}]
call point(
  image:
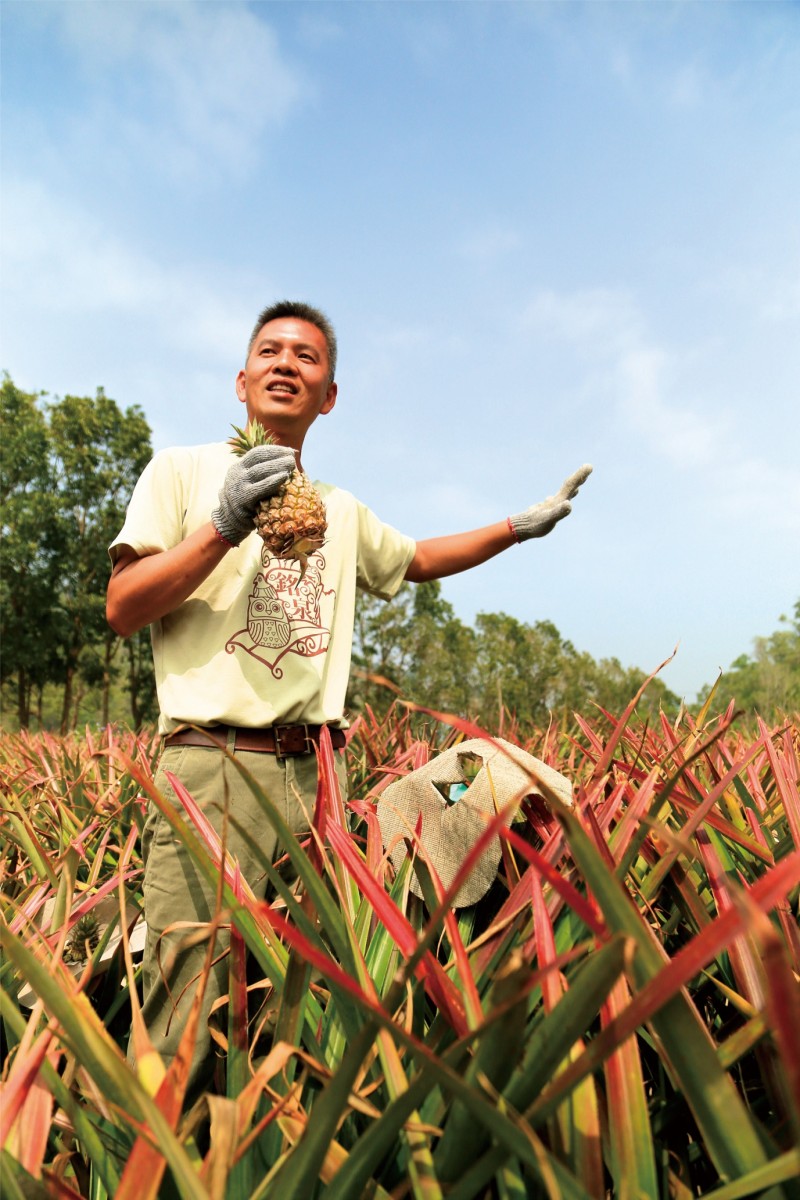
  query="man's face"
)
[{"x": 285, "y": 379}]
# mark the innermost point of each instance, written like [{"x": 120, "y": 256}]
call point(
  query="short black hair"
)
[{"x": 301, "y": 312}]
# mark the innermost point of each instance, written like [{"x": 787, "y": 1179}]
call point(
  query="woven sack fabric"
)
[{"x": 450, "y": 830}]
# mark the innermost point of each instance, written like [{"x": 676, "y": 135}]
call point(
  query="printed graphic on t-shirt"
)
[{"x": 285, "y": 613}]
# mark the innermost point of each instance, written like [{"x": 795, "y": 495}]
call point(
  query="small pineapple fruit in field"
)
[
  {"x": 292, "y": 522},
  {"x": 84, "y": 938}
]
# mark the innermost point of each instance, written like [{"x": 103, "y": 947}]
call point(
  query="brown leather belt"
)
[{"x": 284, "y": 741}]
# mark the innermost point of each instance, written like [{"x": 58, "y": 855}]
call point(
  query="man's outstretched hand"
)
[
  {"x": 541, "y": 519},
  {"x": 260, "y": 473}
]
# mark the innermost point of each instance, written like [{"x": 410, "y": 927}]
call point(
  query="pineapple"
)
[
  {"x": 292, "y": 522},
  {"x": 84, "y": 938}
]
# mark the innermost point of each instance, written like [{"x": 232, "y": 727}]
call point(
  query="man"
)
[{"x": 250, "y": 647}]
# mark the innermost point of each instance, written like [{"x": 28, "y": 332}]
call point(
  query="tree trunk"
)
[
  {"x": 79, "y": 693},
  {"x": 23, "y": 700},
  {"x": 111, "y": 646},
  {"x": 66, "y": 703},
  {"x": 133, "y": 681}
]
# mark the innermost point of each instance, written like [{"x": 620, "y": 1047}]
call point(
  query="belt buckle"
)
[{"x": 297, "y": 741}]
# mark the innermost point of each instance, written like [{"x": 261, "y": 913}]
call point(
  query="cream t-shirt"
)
[{"x": 256, "y": 645}]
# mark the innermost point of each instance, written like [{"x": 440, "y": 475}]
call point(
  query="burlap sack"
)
[{"x": 450, "y": 830}]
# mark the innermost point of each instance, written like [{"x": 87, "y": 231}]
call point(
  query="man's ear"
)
[
  {"x": 330, "y": 398},
  {"x": 240, "y": 387}
]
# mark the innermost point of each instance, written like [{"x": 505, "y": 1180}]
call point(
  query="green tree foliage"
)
[
  {"x": 27, "y": 570},
  {"x": 418, "y": 645},
  {"x": 768, "y": 680},
  {"x": 68, "y": 469}
]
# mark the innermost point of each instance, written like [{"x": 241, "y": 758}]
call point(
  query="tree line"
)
[{"x": 67, "y": 469}]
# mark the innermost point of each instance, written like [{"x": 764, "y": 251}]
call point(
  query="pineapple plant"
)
[
  {"x": 84, "y": 938},
  {"x": 293, "y": 521}
]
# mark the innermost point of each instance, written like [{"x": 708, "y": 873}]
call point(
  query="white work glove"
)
[
  {"x": 254, "y": 477},
  {"x": 541, "y": 519}
]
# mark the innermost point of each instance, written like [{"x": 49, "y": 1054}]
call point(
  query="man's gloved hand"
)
[
  {"x": 256, "y": 476},
  {"x": 541, "y": 519}
]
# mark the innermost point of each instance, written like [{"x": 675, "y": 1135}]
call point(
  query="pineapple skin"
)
[{"x": 293, "y": 522}]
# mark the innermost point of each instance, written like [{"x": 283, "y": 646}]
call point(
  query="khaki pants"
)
[{"x": 176, "y": 891}]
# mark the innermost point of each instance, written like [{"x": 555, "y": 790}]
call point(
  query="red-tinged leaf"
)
[
  {"x": 629, "y": 823},
  {"x": 689, "y": 961},
  {"x": 35, "y": 1121},
  {"x": 25, "y": 1068},
  {"x": 755, "y": 789},
  {"x": 612, "y": 808},
  {"x": 758, "y": 832},
  {"x": 57, "y": 1189},
  {"x": 581, "y": 1121},
  {"x": 203, "y": 826},
  {"x": 330, "y": 780},
  {"x": 326, "y": 966},
  {"x": 376, "y": 861},
  {"x": 686, "y": 803},
  {"x": 237, "y": 1013},
  {"x": 441, "y": 987},
  {"x": 420, "y": 755},
  {"x": 578, "y": 1120},
  {"x": 144, "y": 1170},
  {"x": 597, "y": 834},
  {"x": 468, "y": 728},
  {"x": 745, "y": 969},
  {"x": 782, "y": 1005},
  {"x": 101, "y": 893},
  {"x": 552, "y": 984},
  {"x": 28, "y": 911},
  {"x": 784, "y": 772},
  {"x": 701, "y": 813},
  {"x": 546, "y": 861},
  {"x": 469, "y": 988},
  {"x": 582, "y": 907},
  {"x": 589, "y": 733},
  {"x": 396, "y": 923},
  {"x": 604, "y": 762},
  {"x": 632, "y": 1161}
]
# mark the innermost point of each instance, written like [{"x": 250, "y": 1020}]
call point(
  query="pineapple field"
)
[{"x": 616, "y": 1017}]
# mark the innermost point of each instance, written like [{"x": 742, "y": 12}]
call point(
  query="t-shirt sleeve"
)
[
  {"x": 383, "y": 555},
  {"x": 155, "y": 517}
]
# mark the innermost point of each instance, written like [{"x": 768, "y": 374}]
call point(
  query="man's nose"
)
[{"x": 284, "y": 360}]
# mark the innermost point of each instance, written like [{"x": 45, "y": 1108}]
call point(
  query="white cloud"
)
[
  {"x": 683, "y": 436},
  {"x": 204, "y": 79},
  {"x": 82, "y": 308},
  {"x": 642, "y": 382},
  {"x": 58, "y": 262}
]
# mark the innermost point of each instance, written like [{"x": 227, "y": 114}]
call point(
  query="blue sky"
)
[{"x": 547, "y": 234}]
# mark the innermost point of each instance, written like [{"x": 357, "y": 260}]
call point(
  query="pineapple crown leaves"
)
[
  {"x": 84, "y": 938},
  {"x": 254, "y": 434}
]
